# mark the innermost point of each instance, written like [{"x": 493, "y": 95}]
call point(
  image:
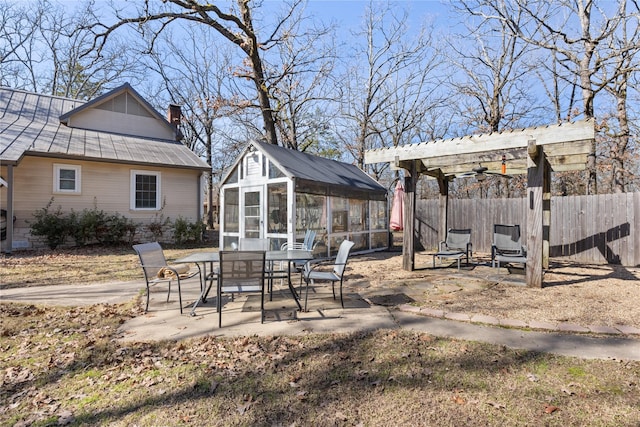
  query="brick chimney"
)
[{"x": 174, "y": 114}]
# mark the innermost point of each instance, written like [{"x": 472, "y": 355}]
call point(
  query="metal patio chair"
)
[
  {"x": 507, "y": 246},
  {"x": 311, "y": 275},
  {"x": 253, "y": 244},
  {"x": 241, "y": 272},
  {"x": 456, "y": 245},
  {"x": 157, "y": 270}
]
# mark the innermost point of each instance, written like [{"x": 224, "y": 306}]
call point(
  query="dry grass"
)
[
  {"x": 603, "y": 295},
  {"x": 80, "y": 266},
  {"x": 67, "y": 365}
]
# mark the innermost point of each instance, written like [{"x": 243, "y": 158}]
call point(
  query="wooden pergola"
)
[{"x": 535, "y": 151}]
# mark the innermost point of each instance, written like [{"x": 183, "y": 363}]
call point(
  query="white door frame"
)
[{"x": 252, "y": 217}]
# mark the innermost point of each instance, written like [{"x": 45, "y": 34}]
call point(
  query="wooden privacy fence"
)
[{"x": 603, "y": 228}]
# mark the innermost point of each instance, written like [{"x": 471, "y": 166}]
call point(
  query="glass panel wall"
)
[
  {"x": 358, "y": 215},
  {"x": 252, "y": 214},
  {"x": 229, "y": 242},
  {"x": 379, "y": 240},
  {"x": 231, "y": 210},
  {"x": 339, "y": 215},
  {"x": 361, "y": 242},
  {"x": 335, "y": 244},
  {"x": 311, "y": 214},
  {"x": 277, "y": 208},
  {"x": 275, "y": 172},
  {"x": 378, "y": 214}
]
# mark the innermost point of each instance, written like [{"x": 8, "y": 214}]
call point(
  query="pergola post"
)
[
  {"x": 546, "y": 213},
  {"x": 443, "y": 184},
  {"x": 408, "y": 236},
  {"x": 536, "y": 165}
]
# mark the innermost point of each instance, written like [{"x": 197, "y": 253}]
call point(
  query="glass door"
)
[{"x": 252, "y": 198}]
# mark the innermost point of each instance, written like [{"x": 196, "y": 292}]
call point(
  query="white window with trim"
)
[
  {"x": 66, "y": 178},
  {"x": 145, "y": 190}
]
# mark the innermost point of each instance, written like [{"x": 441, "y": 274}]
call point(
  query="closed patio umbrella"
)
[{"x": 396, "y": 222}]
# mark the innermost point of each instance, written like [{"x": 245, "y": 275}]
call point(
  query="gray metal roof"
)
[
  {"x": 30, "y": 124},
  {"x": 320, "y": 170}
]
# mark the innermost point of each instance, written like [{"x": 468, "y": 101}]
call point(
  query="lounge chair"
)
[
  {"x": 507, "y": 246},
  {"x": 457, "y": 245}
]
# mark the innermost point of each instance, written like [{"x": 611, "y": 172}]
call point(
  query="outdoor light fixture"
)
[{"x": 481, "y": 177}]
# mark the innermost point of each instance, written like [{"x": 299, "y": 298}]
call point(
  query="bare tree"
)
[
  {"x": 493, "y": 68},
  {"x": 72, "y": 72},
  {"x": 574, "y": 29},
  {"x": 390, "y": 89},
  {"x": 492, "y": 84},
  {"x": 44, "y": 52},
  {"x": 235, "y": 24},
  {"x": 193, "y": 73},
  {"x": 19, "y": 23},
  {"x": 619, "y": 65},
  {"x": 301, "y": 83}
]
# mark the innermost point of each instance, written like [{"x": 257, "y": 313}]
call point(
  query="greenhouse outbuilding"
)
[{"x": 277, "y": 193}]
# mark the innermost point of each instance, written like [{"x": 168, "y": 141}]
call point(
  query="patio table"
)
[{"x": 204, "y": 258}]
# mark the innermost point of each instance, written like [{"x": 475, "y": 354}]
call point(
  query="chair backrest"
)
[
  {"x": 151, "y": 258},
  {"x": 506, "y": 239},
  {"x": 458, "y": 238},
  {"x": 242, "y": 269},
  {"x": 309, "y": 238},
  {"x": 306, "y": 244},
  {"x": 253, "y": 244},
  {"x": 342, "y": 257}
]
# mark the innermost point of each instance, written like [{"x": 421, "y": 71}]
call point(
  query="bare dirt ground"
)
[{"x": 605, "y": 295}]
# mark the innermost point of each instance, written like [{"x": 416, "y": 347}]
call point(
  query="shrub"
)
[
  {"x": 158, "y": 226},
  {"x": 53, "y": 225},
  {"x": 116, "y": 229},
  {"x": 184, "y": 230},
  {"x": 86, "y": 226}
]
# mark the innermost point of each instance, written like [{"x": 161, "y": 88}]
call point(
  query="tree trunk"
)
[
  {"x": 621, "y": 141},
  {"x": 251, "y": 49}
]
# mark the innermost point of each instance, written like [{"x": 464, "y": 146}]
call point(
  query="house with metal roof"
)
[
  {"x": 115, "y": 153},
  {"x": 277, "y": 193}
]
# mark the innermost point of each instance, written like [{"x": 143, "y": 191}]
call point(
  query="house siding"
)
[
  {"x": 109, "y": 121},
  {"x": 105, "y": 186}
]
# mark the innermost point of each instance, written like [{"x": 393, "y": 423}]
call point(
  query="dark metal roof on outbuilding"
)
[
  {"x": 314, "y": 170},
  {"x": 30, "y": 124}
]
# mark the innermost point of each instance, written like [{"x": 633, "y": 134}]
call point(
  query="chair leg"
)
[
  {"x": 219, "y": 307},
  {"x": 148, "y": 294},
  {"x": 179, "y": 295},
  {"x": 306, "y": 294},
  {"x": 262, "y": 306},
  {"x": 341, "y": 300},
  {"x": 333, "y": 289},
  {"x": 169, "y": 291}
]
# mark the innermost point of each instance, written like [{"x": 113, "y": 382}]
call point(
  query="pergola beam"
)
[
  {"x": 577, "y": 132},
  {"x": 534, "y": 151}
]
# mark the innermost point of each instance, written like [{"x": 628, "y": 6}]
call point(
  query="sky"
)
[{"x": 348, "y": 14}]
